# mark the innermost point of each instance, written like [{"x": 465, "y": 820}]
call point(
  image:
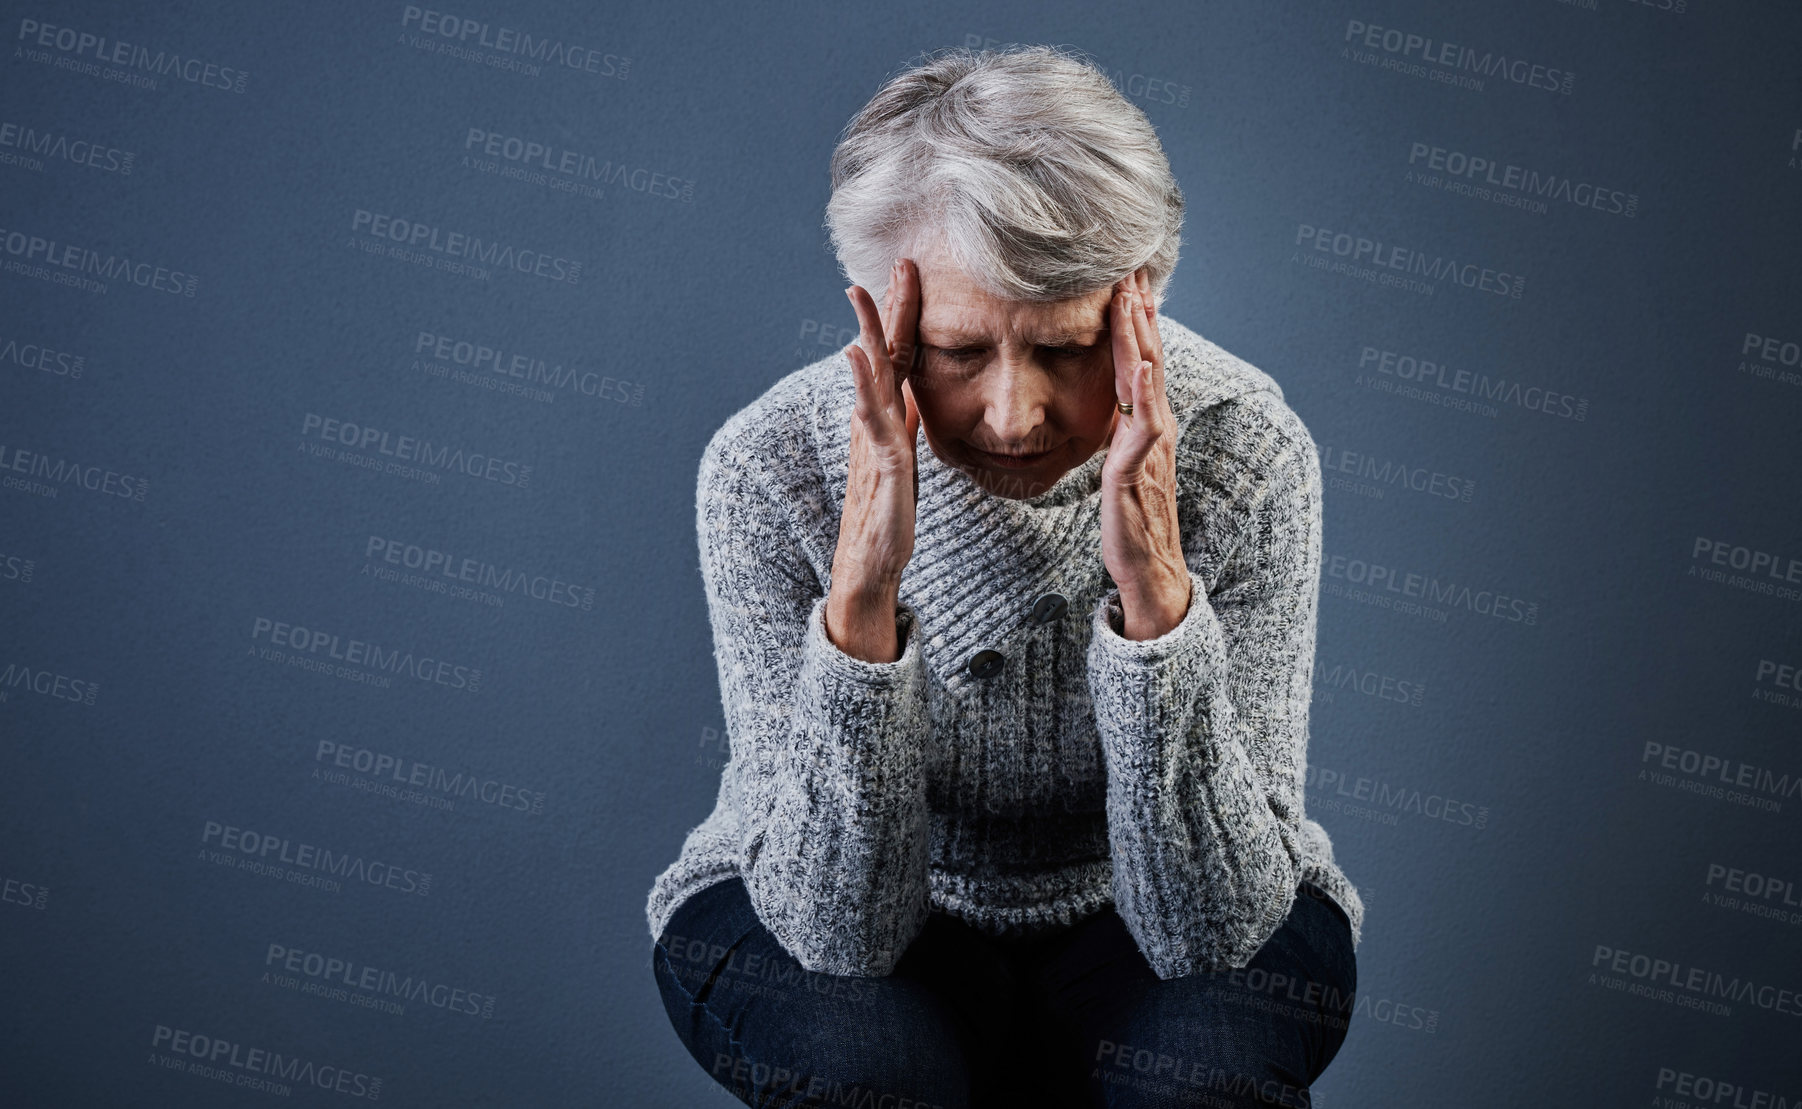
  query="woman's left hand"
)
[{"x": 1140, "y": 542}]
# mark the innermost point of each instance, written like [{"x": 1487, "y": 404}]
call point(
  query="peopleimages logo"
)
[
  {"x": 29, "y": 894},
  {"x": 1389, "y": 472},
  {"x": 1382, "y": 687},
  {"x": 19, "y": 676},
  {"x": 257, "y": 847},
  {"x": 1532, "y": 185},
  {"x": 1431, "y": 588},
  {"x": 465, "y": 247},
  {"x": 17, "y": 568},
  {"x": 1406, "y": 45},
  {"x": 33, "y": 144},
  {"x": 1393, "y": 798},
  {"x": 440, "y": 781},
  {"x": 322, "y": 644},
  {"x": 37, "y": 256},
  {"x": 67, "y": 473},
  {"x": 1698, "y": 985},
  {"x": 1770, "y": 564},
  {"x": 1771, "y": 357},
  {"x": 410, "y": 448},
  {"x": 528, "y": 370},
  {"x": 1496, "y": 390},
  {"x": 1706, "y": 1090},
  {"x": 460, "y": 36},
  {"x": 1359, "y": 250},
  {"x": 28, "y": 355},
  {"x": 256, "y": 1068},
  {"x": 436, "y": 565},
  {"x": 334, "y": 977},
  {"x": 77, "y": 46},
  {"x": 1758, "y": 890},
  {"x": 1703, "y": 767},
  {"x": 573, "y": 166}
]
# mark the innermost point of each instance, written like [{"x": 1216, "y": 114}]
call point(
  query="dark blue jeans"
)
[{"x": 1072, "y": 1017}]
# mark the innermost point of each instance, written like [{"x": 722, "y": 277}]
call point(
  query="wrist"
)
[
  {"x": 860, "y": 621},
  {"x": 1151, "y": 610},
  {"x": 860, "y": 600}
]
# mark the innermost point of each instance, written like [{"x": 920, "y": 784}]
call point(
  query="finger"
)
[
  {"x": 897, "y": 369},
  {"x": 888, "y": 317},
  {"x": 1134, "y": 435},
  {"x": 1141, "y": 280},
  {"x": 1133, "y": 440},
  {"x": 913, "y": 409},
  {"x": 1143, "y": 333},
  {"x": 1156, "y": 351},
  {"x": 864, "y": 381},
  {"x": 889, "y": 314},
  {"x": 906, "y": 321},
  {"x": 1151, "y": 346},
  {"x": 1147, "y": 399},
  {"x": 869, "y": 323},
  {"x": 870, "y": 338},
  {"x": 1125, "y": 346}
]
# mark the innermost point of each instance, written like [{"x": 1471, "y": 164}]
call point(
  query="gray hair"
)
[{"x": 1026, "y": 165}]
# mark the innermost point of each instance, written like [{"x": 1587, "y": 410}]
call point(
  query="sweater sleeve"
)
[
  {"x": 1204, "y": 735},
  {"x": 827, "y": 751}
]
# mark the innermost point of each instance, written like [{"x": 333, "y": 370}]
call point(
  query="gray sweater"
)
[{"x": 1163, "y": 776}]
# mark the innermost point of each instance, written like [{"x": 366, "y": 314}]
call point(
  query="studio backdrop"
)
[{"x": 356, "y": 360}]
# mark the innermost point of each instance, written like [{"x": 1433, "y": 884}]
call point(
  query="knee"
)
[
  {"x": 1217, "y": 1068},
  {"x": 853, "y": 1071},
  {"x": 1202, "y": 1035},
  {"x": 773, "y": 1033},
  {"x": 889, "y": 1043}
]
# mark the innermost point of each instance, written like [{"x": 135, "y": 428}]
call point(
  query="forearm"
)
[
  {"x": 827, "y": 749},
  {"x": 1204, "y": 858},
  {"x": 836, "y": 840}
]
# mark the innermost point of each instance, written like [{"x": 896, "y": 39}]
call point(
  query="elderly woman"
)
[{"x": 1013, "y": 601}]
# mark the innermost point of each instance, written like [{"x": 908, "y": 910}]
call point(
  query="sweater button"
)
[
  {"x": 986, "y": 664},
  {"x": 1049, "y": 607}
]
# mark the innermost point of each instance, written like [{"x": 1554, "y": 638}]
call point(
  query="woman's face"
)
[{"x": 1014, "y": 393}]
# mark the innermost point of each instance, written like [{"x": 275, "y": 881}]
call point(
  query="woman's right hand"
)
[{"x": 876, "y": 531}]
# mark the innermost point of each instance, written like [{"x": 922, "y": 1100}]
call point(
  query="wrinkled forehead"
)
[{"x": 955, "y": 311}]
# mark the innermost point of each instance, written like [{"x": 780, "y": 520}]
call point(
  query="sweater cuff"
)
[
  {"x": 1146, "y": 688},
  {"x": 865, "y": 718},
  {"x": 835, "y": 665},
  {"x": 869, "y": 705}
]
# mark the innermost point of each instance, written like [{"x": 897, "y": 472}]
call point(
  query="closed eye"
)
[{"x": 965, "y": 354}]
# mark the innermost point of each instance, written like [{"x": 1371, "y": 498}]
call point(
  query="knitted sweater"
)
[{"x": 1164, "y": 776}]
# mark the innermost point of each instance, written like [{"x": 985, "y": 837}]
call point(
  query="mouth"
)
[{"x": 1011, "y": 460}]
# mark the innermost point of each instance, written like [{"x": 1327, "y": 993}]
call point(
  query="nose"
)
[{"x": 1015, "y": 404}]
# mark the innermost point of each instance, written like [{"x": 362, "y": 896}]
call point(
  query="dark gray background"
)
[{"x": 1476, "y": 969}]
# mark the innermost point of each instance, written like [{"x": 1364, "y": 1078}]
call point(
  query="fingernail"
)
[{"x": 848, "y": 295}]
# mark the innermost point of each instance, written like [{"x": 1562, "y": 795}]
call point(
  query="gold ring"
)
[{"x": 1125, "y": 407}]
